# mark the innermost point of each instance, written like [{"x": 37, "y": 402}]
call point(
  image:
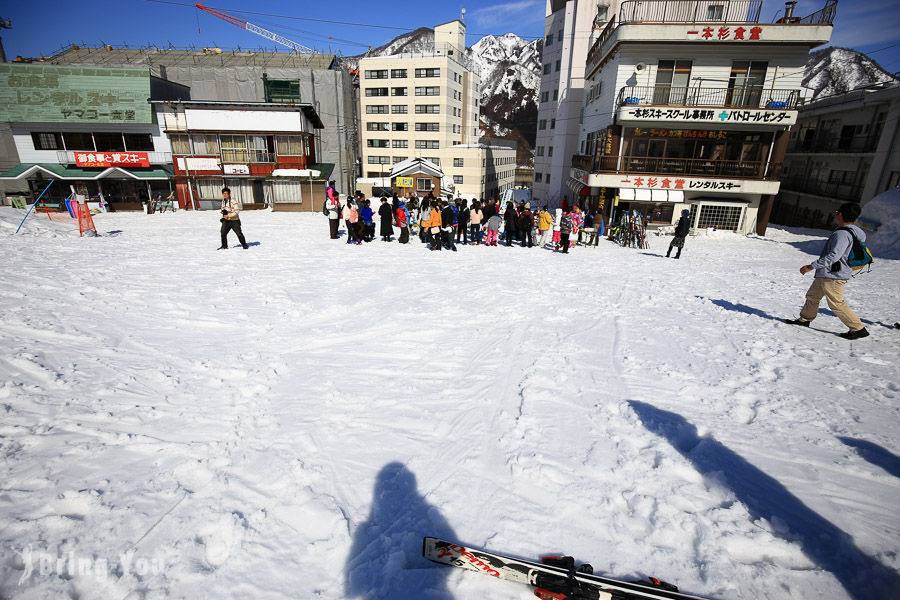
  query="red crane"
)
[{"x": 256, "y": 29}]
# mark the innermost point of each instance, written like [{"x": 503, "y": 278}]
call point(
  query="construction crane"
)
[{"x": 257, "y": 30}]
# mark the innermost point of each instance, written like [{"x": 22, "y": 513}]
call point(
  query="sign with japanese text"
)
[
  {"x": 40, "y": 93},
  {"x": 404, "y": 182},
  {"x": 726, "y": 33},
  {"x": 112, "y": 159},
  {"x": 663, "y": 182},
  {"x": 198, "y": 164},
  {"x": 719, "y": 116},
  {"x": 236, "y": 169}
]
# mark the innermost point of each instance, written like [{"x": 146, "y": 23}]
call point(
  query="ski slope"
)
[{"x": 289, "y": 421}]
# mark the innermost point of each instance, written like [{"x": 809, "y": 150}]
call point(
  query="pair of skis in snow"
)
[{"x": 556, "y": 578}]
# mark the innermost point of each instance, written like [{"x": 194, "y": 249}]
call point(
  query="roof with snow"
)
[{"x": 416, "y": 164}]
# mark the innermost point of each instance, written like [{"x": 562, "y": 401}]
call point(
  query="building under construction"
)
[{"x": 251, "y": 76}]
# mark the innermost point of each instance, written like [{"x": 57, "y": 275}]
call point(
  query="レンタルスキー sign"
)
[{"x": 38, "y": 93}]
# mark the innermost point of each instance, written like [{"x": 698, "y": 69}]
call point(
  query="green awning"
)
[{"x": 58, "y": 171}]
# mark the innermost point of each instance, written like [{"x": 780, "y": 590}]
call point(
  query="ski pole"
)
[{"x": 35, "y": 204}]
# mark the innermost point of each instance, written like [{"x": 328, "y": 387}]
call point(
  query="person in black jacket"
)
[
  {"x": 511, "y": 219},
  {"x": 526, "y": 227},
  {"x": 447, "y": 225},
  {"x": 681, "y": 232},
  {"x": 386, "y": 215},
  {"x": 462, "y": 228}
]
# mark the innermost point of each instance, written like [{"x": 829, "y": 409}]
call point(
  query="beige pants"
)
[{"x": 833, "y": 290}]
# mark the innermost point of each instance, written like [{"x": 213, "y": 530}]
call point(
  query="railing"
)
[
  {"x": 596, "y": 50},
  {"x": 746, "y": 97},
  {"x": 67, "y": 157},
  {"x": 690, "y": 11},
  {"x": 856, "y": 143},
  {"x": 802, "y": 183},
  {"x": 824, "y": 16},
  {"x": 639, "y": 165}
]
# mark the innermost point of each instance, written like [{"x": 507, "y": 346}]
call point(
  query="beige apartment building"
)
[{"x": 423, "y": 105}]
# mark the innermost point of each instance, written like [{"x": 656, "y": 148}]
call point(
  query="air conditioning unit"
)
[{"x": 640, "y": 67}]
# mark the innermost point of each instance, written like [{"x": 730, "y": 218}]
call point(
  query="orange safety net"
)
[{"x": 85, "y": 221}]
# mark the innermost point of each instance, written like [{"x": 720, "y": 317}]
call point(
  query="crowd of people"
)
[{"x": 445, "y": 223}]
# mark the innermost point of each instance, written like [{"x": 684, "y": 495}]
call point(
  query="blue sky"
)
[{"x": 41, "y": 27}]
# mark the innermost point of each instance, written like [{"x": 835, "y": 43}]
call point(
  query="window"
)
[
  {"x": 399, "y": 126},
  {"x": 281, "y": 90},
  {"x": 290, "y": 145},
  {"x": 434, "y": 160},
  {"x": 457, "y": 179},
  {"x": 428, "y": 72},
  {"x": 745, "y": 85},
  {"x": 428, "y": 127},
  {"x": 727, "y": 218},
  {"x": 210, "y": 188},
  {"x": 398, "y": 73},
  {"x": 379, "y": 160},
  {"x": 181, "y": 144},
  {"x": 715, "y": 12},
  {"x": 547, "y": 69},
  {"x": 379, "y": 74},
  {"x": 377, "y": 109},
  {"x": 457, "y": 162},
  {"x": 397, "y": 159},
  {"x": 263, "y": 147},
  {"x": 377, "y": 143},
  {"x": 549, "y": 151},
  {"x": 424, "y": 184},
  {"x": 539, "y": 151},
  {"x": 545, "y": 96},
  {"x": 398, "y": 91},
  {"x": 558, "y": 63},
  {"x": 138, "y": 141},
  {"x": 547, "y": 178},
  {"x": 428, "y": 91},
  {"x": 399, "y": 109},
  {"x": 559, "y": 36},
  {"x": 542, "y": 124},
  {"x": 539, "y": 178},
  {"x": 428, "y": 144},
  {"x": 285, "y": 191},
  {"x": 376, "y": 126},
  {"x": 109, "y": 142},
  {"x": 552, "y": 123},
  {"x": 47, "y": 141},
  {"x": 428, "y": 109},
  {"x": 556, "y": 94},
  {"x": 234, "y": 148},
  {"x": 370, "y": 92},
  {"x": 204, "y": 144},
  {"x": 672, "y": 80},
  {"x": 602, "y": 13},
  {"x": 400, "y": 144},
  {"x": 548, "y": 41},
  {"x": 78, "y": 141}
]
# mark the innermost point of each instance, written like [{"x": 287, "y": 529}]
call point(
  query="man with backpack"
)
[{"x": 833, "y": 270}]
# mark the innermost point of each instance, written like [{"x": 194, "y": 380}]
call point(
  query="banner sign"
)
[
  {"x": 198, "y": 164},
  {"x": 680, "y": 183},
  {"x": 405, "y": 182},
  {"x": 236, "y": 169},
  {"x": 39, "y": 93},
  {"x": 717, "y": 116},
  {"x": 112, "y": 159}
]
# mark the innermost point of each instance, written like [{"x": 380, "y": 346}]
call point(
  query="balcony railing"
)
[
  {"x": 856, "y": 143},
  {"x": 67, "y": 157},
  {"x": 746, "y": 97},
  {"x": 690, "y": 11},
  {"x": 846, "y": 192},
  {"x": 724, "y": 169}
]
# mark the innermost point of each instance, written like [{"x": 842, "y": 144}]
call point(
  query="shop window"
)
[
  {"x": 79, "y": 141},
  {"x": 109, "y": 142},
  {"x": 135, "y": 142},
  {"x": 47, "y": 141}
]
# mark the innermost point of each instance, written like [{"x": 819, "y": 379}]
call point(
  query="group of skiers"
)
[{"x": 442, "y": 223}]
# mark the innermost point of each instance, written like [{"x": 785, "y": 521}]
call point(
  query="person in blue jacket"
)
[{"x": 832, "y": 273}]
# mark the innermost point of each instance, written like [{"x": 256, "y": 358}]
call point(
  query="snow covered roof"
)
[{"x": 416, "y": 164}]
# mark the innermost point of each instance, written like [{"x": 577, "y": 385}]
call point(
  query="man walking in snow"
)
[
  {"x": 231, "y": 220},
  {"x": 832, "y": 273}
]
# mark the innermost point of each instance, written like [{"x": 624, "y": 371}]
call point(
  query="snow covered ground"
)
[{"x": 289, "y": 421}]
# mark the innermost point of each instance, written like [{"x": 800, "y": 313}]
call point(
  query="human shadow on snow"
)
[
  {"x": 862, "y": 576},
  {"x": 744, "y": 309},
  {"x": 385, "y": 560},
  {"x": 875, "y": 454}
]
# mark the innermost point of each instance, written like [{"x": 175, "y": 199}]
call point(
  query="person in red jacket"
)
[{"x": 403, "y": 223}]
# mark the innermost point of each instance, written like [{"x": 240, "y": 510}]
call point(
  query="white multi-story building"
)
[
  {"x": 688, "y": 104},
  {"x": 480, "y": 170},
  {"x": 416, "y": 105},
  {"x": 568, "y": 33},
  {"x": 844, "y": 148}
]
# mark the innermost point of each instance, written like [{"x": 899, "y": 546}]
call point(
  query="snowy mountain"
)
[
  {"x": 834, "y": 70},
  {"x": 510, "y": 78}
]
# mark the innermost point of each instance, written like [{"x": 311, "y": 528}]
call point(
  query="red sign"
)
[
  {"x": 112, "y": 159},
  {"x": 727, "y": 33}
]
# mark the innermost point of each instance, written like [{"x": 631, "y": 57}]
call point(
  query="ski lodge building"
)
[{"x": 687, "y": 105}]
